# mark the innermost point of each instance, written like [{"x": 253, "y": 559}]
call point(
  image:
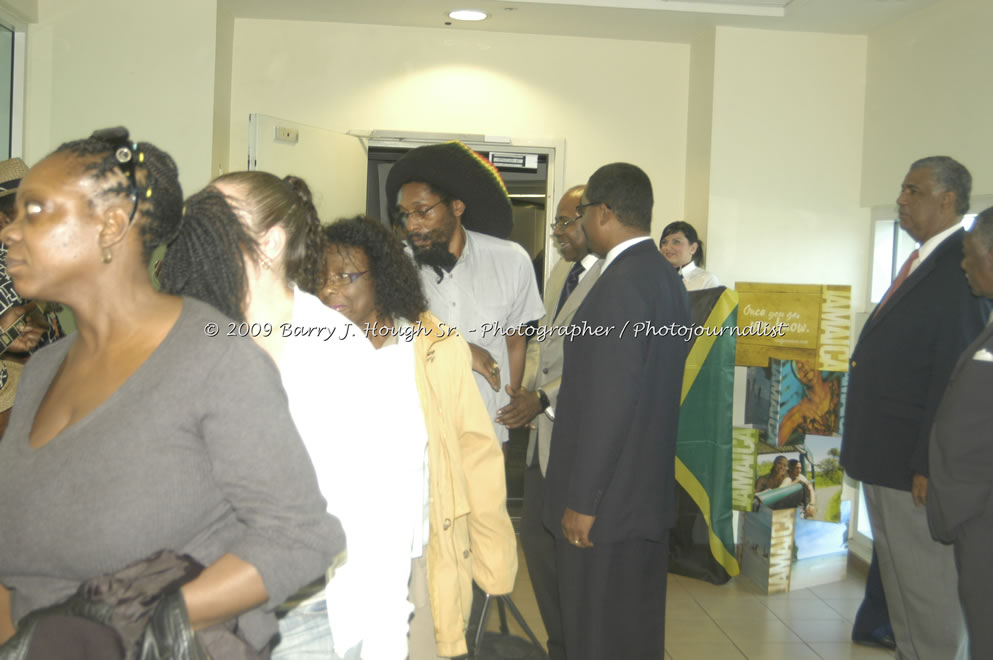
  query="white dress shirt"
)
[
  {"x": 613, "y": 252},
  {"x": 696, "y": 278}
]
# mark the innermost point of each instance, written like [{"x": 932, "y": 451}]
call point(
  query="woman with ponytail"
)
[
  {"x": 254, "y": 249},
  {"x": 149, "y": 429}
]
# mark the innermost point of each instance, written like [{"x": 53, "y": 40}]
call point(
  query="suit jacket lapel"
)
[
  {"x": 553, "y": 288},
  {"x": 977, "y": 344},
  {"x": 579, "y": 293}
]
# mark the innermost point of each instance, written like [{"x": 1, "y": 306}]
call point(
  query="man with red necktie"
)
[{"x": 897, "y": 374}]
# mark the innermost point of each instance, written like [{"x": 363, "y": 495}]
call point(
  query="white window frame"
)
[{"x": 19, "y": 25}]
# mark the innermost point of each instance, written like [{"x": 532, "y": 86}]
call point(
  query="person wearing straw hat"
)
[
  {"x": 9, "y": 376},
  {"x": 457, "y": 215},
  {"x": 12, "y": 307},
  {"x": 11, "y": 173}
]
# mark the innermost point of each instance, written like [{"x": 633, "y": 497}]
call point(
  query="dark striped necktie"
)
[{"x": 571, "y": 282}]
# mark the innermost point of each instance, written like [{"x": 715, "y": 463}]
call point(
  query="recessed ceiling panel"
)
[
  {"x": 732, "y": 7},
  {"x": 608, "y": 19}
]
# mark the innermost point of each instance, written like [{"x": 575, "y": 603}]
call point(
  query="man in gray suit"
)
[
  {"x": 961, "y": 456},
  {"x": 567, "y": 285}
]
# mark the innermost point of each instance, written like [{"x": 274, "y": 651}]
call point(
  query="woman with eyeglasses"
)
[
  {"x": 453, "y": 494},
  {"x": 260, "y": 252},
  {"x": 683, "y": 249},
  {"x": 151, "y": 427}
]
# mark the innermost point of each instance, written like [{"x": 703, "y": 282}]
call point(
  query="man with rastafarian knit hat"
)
[{"x": 455, "y": 210}]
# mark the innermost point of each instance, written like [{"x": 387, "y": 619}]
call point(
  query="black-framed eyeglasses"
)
[
  {"x": 404, "y": 216},
  {"x": 338, "y": 280},
  {"x": 562, "y": 222},
  {"x": 127, "y": 156},
  {"x": 581, "y": 208}
]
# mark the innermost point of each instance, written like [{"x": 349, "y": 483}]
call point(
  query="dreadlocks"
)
[
  {"x": 206, "y": 259},
  {"x": 158, "y": 194}
]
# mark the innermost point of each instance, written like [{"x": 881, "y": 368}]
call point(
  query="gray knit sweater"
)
[{"x": 195, "y": 453}]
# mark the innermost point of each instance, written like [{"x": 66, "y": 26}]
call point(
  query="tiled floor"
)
[{"x": 734, "y": 621}]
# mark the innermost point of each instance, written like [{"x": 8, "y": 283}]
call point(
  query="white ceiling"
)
[{"x": 614, "y": 19}]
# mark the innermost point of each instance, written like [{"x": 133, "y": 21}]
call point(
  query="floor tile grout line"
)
[
  {"x": 787, "y": 624},
  {"x": 697, "y": 598},
  {"x": 717, "y": 623}
]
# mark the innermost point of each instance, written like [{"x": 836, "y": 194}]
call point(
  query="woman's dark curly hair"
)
[
  {"x": 397, "y": 284},
  {"x": 158, "y": 196}
]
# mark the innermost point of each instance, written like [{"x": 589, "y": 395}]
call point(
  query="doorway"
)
[{"x": 347, "y": 175}]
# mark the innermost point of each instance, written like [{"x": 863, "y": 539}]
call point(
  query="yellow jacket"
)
[{"x": 471, "y": 535}]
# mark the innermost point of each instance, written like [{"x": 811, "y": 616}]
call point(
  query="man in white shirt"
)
[
  {"x": 457, "y": 214},
  {"x": 796, "y": 476}
]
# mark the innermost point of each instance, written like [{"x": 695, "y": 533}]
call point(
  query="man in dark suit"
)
[
  {"x": 570, "y": 281},
  {"x": 961, "y": 456},
  {"x": 610, "y": 481},
  {"x": 898, "y": 372}
]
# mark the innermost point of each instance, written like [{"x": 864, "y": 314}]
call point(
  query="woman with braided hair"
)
[
  {"x": 150, "y": 428},
  {"x": 254, "y": 249}
]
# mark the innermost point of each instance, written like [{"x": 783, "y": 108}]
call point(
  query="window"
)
[
  {"x": 6, "y": 89},
  {"x": 890, "y": 248}
]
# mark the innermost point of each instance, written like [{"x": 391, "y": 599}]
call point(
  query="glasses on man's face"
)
[
  {"x": 563, "y": 222},
  {"x": 127, "y": 156},
  {"x": 581, "y": 208},
  {"x": 403, "y": 216},
  {"x": 338, "y": 280}
]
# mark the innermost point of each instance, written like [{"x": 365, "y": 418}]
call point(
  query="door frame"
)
[{"x": 552, "y": 148}]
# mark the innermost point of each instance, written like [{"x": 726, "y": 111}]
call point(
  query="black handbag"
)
[{"x": 488, "y": 645}]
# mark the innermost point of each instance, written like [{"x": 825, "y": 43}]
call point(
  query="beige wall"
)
[
  {"x": 929, "y": 93},
  {"x": 144, "y": 64},
  {"x": 610, "y": 100},
  {"x": 221, "y": 128},
  {"x": 786, "y": 159},
  {"x": 698, "y": 132},
  {"x": 757, "y": 136}
]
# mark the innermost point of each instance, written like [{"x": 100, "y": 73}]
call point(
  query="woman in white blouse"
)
[
  {"x": 255, "y": 251},
  {"x": 682, "y": 248}
]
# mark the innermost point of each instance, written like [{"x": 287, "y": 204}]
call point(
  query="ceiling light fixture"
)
[{"x": 468, "y": 15}]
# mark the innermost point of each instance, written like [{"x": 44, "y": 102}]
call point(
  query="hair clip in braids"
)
[{"x": 124, "y": 154}]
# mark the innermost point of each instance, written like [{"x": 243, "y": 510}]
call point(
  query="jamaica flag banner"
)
[{"x": 701, "y": 545}]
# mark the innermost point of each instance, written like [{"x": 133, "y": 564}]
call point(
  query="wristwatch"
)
[{"x": 543, "y": 399}]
